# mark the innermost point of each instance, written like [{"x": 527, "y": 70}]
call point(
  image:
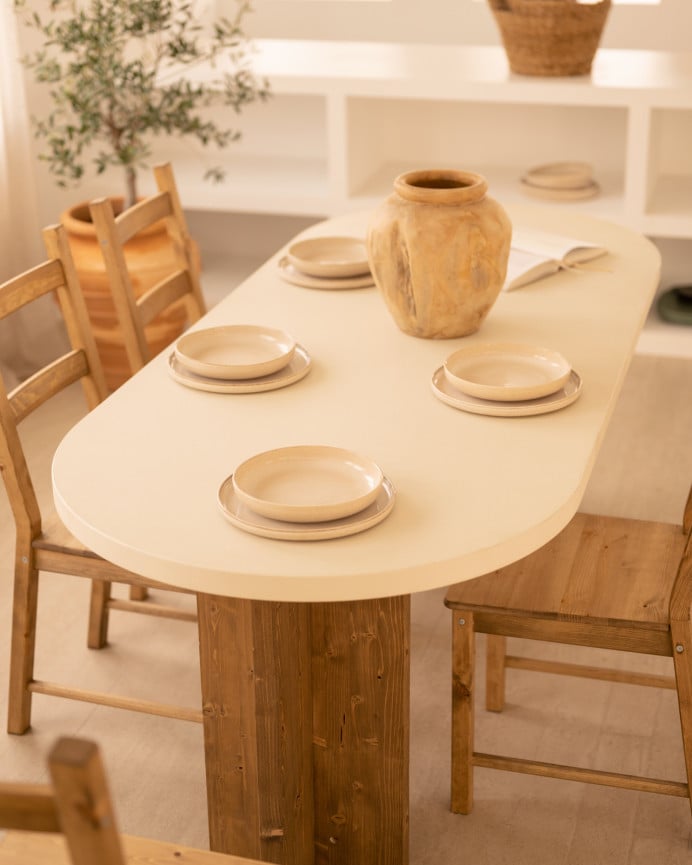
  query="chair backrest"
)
[
  {"x": 79, "y": 363},
  {"x": 77, "y": 803},
  {"x": 181, "y": 285}
]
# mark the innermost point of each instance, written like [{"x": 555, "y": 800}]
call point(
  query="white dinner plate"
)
[
  {"x": 295, "y": 277},
  {"x": 307, "y": 483},
  {"x": 235, "y": 351},
  {"x": 298, "y": 368},
  {"x": 237, "y": 513},
  {"x": 329, "y": 256},
  {"x": 506, "y": 371},
  {"x": 446, "y": 392}
]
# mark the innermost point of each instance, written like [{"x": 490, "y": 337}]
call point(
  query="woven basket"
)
[{"x": 550, "y": 37}]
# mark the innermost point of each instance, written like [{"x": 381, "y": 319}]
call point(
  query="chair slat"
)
[
  {"x": 48, "y": 382},
  {"x": 142, "y": 215},
  {"x": 29, "y": 286},
  {"x": 162, "y": 295}
]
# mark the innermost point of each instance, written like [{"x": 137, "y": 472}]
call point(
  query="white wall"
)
[
  {"x": 437, "y": 21},
  {"x": 664, "y": 26}
]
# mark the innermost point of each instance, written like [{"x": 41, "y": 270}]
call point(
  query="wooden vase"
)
[
  {"x": 438, "y": 249},
  {"x": 149, "y": 258}
]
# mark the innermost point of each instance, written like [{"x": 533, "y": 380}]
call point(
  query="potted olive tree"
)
[{"x": 121, "y": 74}]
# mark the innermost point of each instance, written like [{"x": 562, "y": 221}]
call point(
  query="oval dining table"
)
[{"x": 304, "y": 644}]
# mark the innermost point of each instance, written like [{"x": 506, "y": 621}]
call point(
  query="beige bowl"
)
[
  {"x": 236, "y": 351},
  {"x": 506, "y": 372},
  {"x": 330, "y": 256},
  {"x": 560, "y": 175},
  {"x": 307, "y": 483}
]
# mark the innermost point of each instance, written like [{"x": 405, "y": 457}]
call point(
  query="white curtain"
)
[{"x": 29, "y": 337}]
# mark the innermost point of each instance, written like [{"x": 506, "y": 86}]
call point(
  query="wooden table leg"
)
[
  {"x": 255, "y": 666},
  {"x": 361, "y": 716},
  {"x": 277, "y": 678}
]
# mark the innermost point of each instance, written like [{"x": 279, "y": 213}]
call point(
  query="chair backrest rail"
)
[
  {"x": 31, "y": 285},
  {"x": 142, "y": 215},
  {"x": 48, "y": 382},
  {"x": 162, "y": 295}
]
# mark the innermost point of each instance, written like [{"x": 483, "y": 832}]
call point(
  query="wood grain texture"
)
[
  {"x": 255, "y": 665},
  {"x": 603, "y": 582},
  {"x": 361, "y": 731}
]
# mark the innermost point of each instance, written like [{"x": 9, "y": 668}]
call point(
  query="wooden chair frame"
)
[
  {"x": 44, "y": 545},
  {"x": 475, "y": 610},
  {"x": 182, "y": 285},
  {"x": 77, "y": 804}
]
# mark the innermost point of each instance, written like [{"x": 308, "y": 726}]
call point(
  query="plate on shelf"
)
[
  {"x": 577, "y": 194},
  {"x": 446, "y": 392},
  {"x": 297, "y": 368},
  {"x": 240, "y": 515},
  {"x": 329, "y": 256},
  {"x": 560, "y": 175},
  {"x": 307, "y": 483},
  {"x": 236, "y": 351},
  {"x": 506, "y": 371},
  {"x": 294, "y": 276}
]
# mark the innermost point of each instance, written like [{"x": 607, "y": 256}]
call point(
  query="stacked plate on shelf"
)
[
  {"x": 560, "y": 181},
  {"x": 327, "y": 262},
  {"x": 306, "y": 493},
  {"x": 506, "y": 380},
  {"x": 240, "y": 358}
]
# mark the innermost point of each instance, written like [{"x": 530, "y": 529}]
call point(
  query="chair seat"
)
[
  {"x": 59, "y": 551},
  {"x": 55, "y": 537},
  {"x": 599, "y": 571}
]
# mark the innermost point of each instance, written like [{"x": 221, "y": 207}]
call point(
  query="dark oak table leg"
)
[{"x": 306, "y": 726}]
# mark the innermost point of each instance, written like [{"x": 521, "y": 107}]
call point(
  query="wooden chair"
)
[
  {"x": 77, "y": 805},
  {"x": 179, "y": 286},
  {"x": 42, "y": 543},
  {"x": 605, "y": 582}
]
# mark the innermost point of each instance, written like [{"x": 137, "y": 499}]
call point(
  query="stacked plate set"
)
[
  {"x": 306, "y": 493},
  {"x": 560, "y": 181},
  {"x": 240, "y": 358},
  {"x": 506, "y": 380},
  {"x": 328, "y": 263}
]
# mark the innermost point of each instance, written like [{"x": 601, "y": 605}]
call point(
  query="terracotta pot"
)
[
  {"x": 149, "y": 258},
  {"x": 438, "y": 250}
]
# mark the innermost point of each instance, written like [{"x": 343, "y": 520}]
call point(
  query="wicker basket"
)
[{"x": 550, "y": 37}]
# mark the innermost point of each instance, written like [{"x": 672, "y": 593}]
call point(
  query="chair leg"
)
[
  {"x": 681, "y": 634},
  {"x": 139, "y": 593},
  {"x": 496, "y": 651},
  {"x": 97, "y": 634},
  {"x": 463, "y": 662},
  {"x": 24, "y": 609}
]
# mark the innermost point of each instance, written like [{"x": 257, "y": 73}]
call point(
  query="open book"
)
[{"x": 535, "y": 254}]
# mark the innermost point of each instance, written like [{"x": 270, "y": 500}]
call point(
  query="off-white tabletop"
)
[{"x": 137, "y": 479}]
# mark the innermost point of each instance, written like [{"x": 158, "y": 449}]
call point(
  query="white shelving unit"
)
[{"x": 345, "y": 118}]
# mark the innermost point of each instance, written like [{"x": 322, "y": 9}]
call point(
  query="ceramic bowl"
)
[
  {"x": 237, "y": 351},
  {"x": 307, "y": 483},
  {"x": 506, "y": 372}
]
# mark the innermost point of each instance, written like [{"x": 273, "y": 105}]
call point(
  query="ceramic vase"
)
[{"x": 438, "y": 249}]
